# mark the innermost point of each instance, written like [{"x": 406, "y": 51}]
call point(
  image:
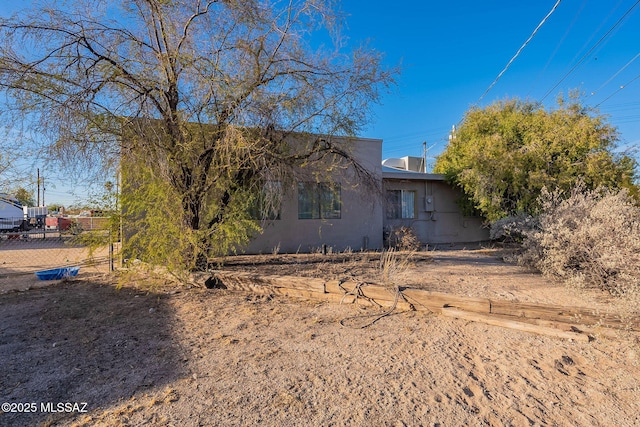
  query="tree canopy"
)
[
  {"x": 503, "y": 155},
  {"x": 25, "y": 197},
  {"x": 201, "y": 95}
]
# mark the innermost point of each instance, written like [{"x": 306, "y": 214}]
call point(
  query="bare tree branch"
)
[{"x": 206, "y": 96}]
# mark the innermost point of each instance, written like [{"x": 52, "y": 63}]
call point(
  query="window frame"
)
[
  {"x": 397, "y": 205},
  {"x": 319, "y": 200}
]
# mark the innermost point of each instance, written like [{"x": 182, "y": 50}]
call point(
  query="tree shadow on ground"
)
[{"x": 83, "y": 342}]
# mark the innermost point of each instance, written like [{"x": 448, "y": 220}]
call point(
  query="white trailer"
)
[
  {"x": 35, "y": 212},
  {"x": 36, "y": 217}
]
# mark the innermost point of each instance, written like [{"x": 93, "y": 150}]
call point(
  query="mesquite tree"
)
[
  {"x": 201, "y": 99},
  {"x": 503, "y": 155}
]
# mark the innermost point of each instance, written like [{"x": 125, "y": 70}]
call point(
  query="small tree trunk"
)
[{"x": 192, "y": 210}]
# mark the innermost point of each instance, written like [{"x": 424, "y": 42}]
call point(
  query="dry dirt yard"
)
[{"x": 189, "y": 356}]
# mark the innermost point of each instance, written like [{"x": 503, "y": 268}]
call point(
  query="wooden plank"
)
[
  {"x": 272, "y": 290},
  {"x": 375, "y": 292},
  {"x": 339, "y": 286},
  {"x": 420, "y": 299},
  {"x": 235, "y": 279},
  {"x": 368, "y": 290},
  {"x": 320, "y": 296},
  {"x": 570, "y": 327},
  {"x": 345, "y": 299},
  {"x": 293, "y": 282},
  {"x": 576, "y": 315},
  {"x": 436, "y": 301},
  {"x": 512, "y": 324},
  {"x": 533, "y": 310},
  {"x": 371, "y": 295}
]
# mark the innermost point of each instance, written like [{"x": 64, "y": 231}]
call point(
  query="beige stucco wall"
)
[
  {"x": 361, "y": 222},
  {"x": 443, "y": 222}
]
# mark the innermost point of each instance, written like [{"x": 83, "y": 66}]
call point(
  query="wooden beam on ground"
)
[
  {"x": 236, "y": 280},
  {"x": 436, "y": 301},
  {"x": 377, "y": 295},
  {"x": 421, "y": 300},
  {"x": 310, "y": 288},
  {"x": 513, "y": 324},
  {"x": 365, "y": 290},
  {"x": 595, "y": 331},
  {"x": 575, "y": 315}
]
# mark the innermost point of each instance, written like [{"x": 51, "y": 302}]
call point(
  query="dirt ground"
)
[{"x": 190, "y": 356}]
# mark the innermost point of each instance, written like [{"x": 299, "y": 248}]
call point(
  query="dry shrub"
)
[
  {"x": 589, "y": 239},
  {"x": 513, "y": 228},
  {"x": 393, "y": 263},
  {"x": 403, "y": 239}
]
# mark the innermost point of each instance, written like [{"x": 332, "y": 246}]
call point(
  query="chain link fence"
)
[{"x": 56, "y": 244}]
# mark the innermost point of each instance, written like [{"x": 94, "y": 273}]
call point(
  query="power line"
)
[
  {"x": 619, "y": 89},
  {"x": 520, "y": 50},
  {"x": 626, "y": 106},
  {"x": 586, "y": 55},
  {"x": 596, "y": 31},
  {"x": 616, "y": 74},
  {"x": 562, "y": 39}
]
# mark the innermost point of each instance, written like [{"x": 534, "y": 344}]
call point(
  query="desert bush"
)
[
  {"x": 392, "y": 264},
  {"x": 513, "y": 228},
  {"x": 403, "y": 239},
  {"x": 588, "y": 238}
]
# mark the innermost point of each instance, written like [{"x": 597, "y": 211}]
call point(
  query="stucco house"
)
[
  {"x": 337, "y": 212},
  {"x": 427, "y": 204},
  {"x": 340, "y": 215}
]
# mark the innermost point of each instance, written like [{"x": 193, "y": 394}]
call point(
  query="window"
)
[
  {"x": 318, "y": 200},
  {"x": 266, "y": 206},
  {"x": 401, "y": 204}
]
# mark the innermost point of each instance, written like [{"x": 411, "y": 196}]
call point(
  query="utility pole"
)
[
  {"x": 38, "y": 187},
  {"x": 424, "y": 156}
]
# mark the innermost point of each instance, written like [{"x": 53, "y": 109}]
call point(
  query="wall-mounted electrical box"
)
[{"x": 429, "y": 204}]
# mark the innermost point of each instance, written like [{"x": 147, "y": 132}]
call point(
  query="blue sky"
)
[{"x": 451, "y": 52}]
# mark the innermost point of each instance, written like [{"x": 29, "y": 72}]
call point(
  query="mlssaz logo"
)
[{"x": 65, "y": 407}]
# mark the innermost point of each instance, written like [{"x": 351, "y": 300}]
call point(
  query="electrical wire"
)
[
  {"x": 586, "y": 55},
  {"x": 520, "y": 50},
  {"x": 619, "y": 89},
  {"x": 562, "y": 39},
  {"x": 616, "y": 74},
  {"x": 595, "y": 32}
]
